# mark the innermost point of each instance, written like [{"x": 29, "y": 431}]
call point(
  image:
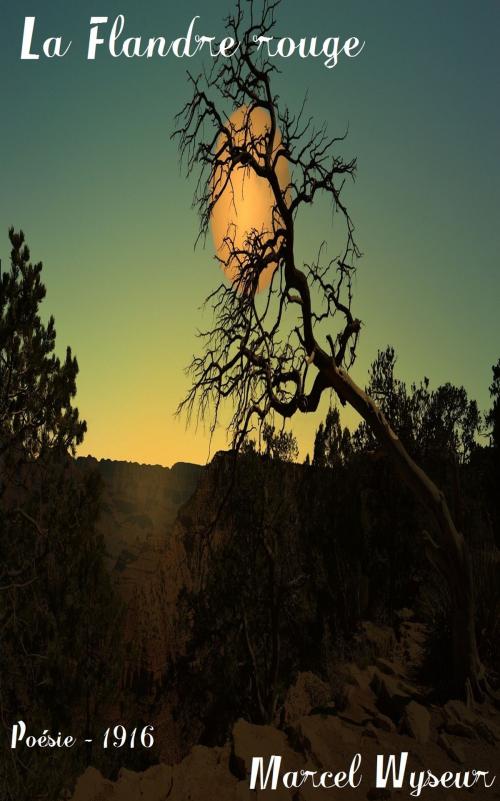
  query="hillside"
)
[
  {"x": 200, "y": 555},
  {"x": 139, "y": 508}
]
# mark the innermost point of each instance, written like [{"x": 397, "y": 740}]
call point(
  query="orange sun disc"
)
[{"x": 245, "y": 215}]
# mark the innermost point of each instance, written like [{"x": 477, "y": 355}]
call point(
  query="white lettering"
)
[
  {"x": 94, "y": 40},
  {"x": 29, "y": 27},
  {"x": 18, "y": 732},
  {"x": 382, "y": 778},
  {"x": 257, "y": 770},
  {"x": 53, "y": 47}
]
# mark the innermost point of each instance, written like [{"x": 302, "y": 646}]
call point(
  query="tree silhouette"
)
[
  {"x": 278, "y": 351},
  {"x": 280, "y": 445},
  {"x": 493, "y": 416},
  {"x": 492, "y": 422},
  {"x": 57, "y": 606},
  {"x": 37, "y": 416},
  {"x": 441, "y": 420},
  {"x": 332, "y": 444},
  {"x": 243, "y": 645},
  {"x": 36, "y": 390}
]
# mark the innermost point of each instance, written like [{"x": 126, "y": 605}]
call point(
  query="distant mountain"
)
[{"x": 140, "y": 503}]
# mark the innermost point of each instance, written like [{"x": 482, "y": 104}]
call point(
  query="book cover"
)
[{"x": 249, "y": 400}]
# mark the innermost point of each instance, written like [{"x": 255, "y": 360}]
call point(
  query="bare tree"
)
[{"x": 271, "y": 352}]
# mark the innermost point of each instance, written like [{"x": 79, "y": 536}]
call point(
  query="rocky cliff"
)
[
  {"x": 349, "y": 549},
  {"x": 385, "y": 712},
  {"x": 139, "y": 509}
]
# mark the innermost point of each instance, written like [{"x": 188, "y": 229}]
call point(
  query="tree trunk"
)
[
  {"x": 449, "y": 553},
  {"x": 466, "y": 663}
]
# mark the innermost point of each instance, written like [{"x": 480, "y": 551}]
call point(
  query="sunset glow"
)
[{"x": 246, "y": 203}]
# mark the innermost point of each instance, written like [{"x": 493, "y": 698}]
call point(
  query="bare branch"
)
[{"x": 258, "y": 351}]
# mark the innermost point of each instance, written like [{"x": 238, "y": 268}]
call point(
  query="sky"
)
[{"x": 89, "y": 171}]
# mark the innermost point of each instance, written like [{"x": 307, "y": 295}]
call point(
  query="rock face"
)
[
  {"x": 314, "y": 743},
  {"x": 153, "y": 528},
  {"x": 140, "y": 503},
  {"x": 139, "y": 509},
  {"x": 319, "y": 741}
]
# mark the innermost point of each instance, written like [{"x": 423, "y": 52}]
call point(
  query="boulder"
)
[
  {"x": 457, "y": 710},
  {"x": 355, "y": 676},
  {"x": 392, "y": 695},
  {"x": 204, "y": 775},
  {"x": 417, "y": 722},
  {"x": 359, "y": 706},
  {"x": 464, "y": 722},
  {"x": 381, "y": 721},
  {"x": 308, "y": 692},
  {"x": 250, "y": 740},
  {"x": 459, "y": 720},
  {"x": 92, "y": 786},
  {"x": 128, "y": 786},
  {"x": 453, "y": 751},
  {"x": 156, "y": 783},
  {"x": 325, "y": 740}
]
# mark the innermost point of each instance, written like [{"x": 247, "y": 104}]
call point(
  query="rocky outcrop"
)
[
  {"x": 158, "y": 548},
  {"x": 308, "y": 692},
  {"x": 140, "y": 502},
  {"x": 324, "y": 738},
  {"x": 314, "y": 743},
  {"x": 139, "y": 507},
  {"x": 417, "y": 722}
]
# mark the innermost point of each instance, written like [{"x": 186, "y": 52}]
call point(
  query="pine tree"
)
[
  {"x": 493, "y": 416},
  {"x": 36, "y": 389},
  {"x": 57, "y": 608},
  {"x": 332, "y": 444}
]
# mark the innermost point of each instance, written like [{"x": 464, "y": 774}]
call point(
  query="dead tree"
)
[{"x": 278, "y": 351}]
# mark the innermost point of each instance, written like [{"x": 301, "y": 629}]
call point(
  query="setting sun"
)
[{"x": 246, "y": 203}]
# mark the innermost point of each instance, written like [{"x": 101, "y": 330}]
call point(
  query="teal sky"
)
[{"x": 88, "y": 170}]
